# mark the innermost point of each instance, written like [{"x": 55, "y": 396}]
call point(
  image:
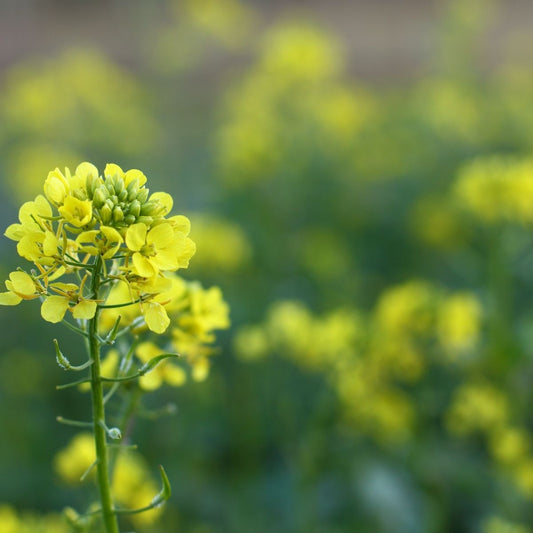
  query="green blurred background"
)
[{"x": 359, "y": 181}]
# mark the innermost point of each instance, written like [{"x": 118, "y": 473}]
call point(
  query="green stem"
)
[{"x": 100, "y": 439}]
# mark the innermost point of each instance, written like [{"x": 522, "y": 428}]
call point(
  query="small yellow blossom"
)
[{"x": 76, "y": 212}]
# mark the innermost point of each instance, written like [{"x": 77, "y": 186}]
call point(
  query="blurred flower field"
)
[{"x": 373, "y": 242}]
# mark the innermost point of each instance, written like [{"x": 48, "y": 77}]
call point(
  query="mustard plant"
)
[{"x": 104, "y": 253}]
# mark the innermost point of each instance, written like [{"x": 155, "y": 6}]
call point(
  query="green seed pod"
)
[
  {"x": 146, "y": 220},
  {"x": 100, "y": 196},
  {"x": 135, "y": 208},
  {"x": 106, "y": 213},
  {"x": 118, "y": 214},
  {"x": 129, "y": 219},
  {"x": 142, "y": 195}
]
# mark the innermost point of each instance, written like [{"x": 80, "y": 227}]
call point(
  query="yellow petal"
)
[
  {"x": 156, "y": 317},
  {"x": 180, "y": 223},
  {"x": 164, "y": 200},
  {"x": 15, "y": 232},
  {"x": 54, "y": 309},
  {"x": 56, "y": 187},
  {"x": 50, "y": 244},
  {"x": 136, "y": 236},
  {"x": 111, "y": 170},
  {"x": 134, "y": 174},
  {"x": 111, "y": 234},
  {"x": 28, "y": 248},
  {"x": 86, "y": 170},
  {"x": 188, "y": 250},
  {"x": 9, "y": 298},
  {"x": 161, "y": 236},
  {"x": 143, "y": 266},
  {"x": 84, "y": 310},
  {"x": 22, "y": 283},
  {"x": 76, "y": 212},
  {"x": 166, "y": 259},
  {"x": 174, "y": 375}
]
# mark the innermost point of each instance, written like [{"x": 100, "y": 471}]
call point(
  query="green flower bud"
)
[
  {"x": 142, "y": 195},
  {"x": 100, "y": 196},
  {"x": 129, "y": 219},
  {"x": 110, "y": 204},
  {"x": 118, "y": 185},
  {"x": 106, "y": 213},
  {"x": 146, "y": 220},
  {"x": 149, "y": 208},
  {"x": 133, "y": 189},
  {"x": 123, "y": 195},
  {"x": 109, "y": 185},
  {"x": 118, "y": 214},
  {"x": 135, "y": 208}
]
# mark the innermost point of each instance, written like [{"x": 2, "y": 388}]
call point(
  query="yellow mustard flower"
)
[
  {"x": 105, "y": 242},
  {"x": 156, "y": 249}
]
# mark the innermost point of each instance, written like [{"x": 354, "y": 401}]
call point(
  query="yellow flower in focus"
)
[
  {"x": 105, "y": 242},
  {"x": 77, "y": 212},
  {"x": 157, "y": 249},
  {"x": 20, "y": 286}
]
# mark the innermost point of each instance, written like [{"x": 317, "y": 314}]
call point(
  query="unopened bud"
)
[
  {"x": 149, "y": 208},
  {"x": 106, "y": 214},
  {"x": 135, "y": 208},
  {"x": 100, "y": 196},
  {"x": 142, "y": 195},
  {"x": 118, "y": 215}
]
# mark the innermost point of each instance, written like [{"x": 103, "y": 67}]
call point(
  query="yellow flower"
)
[
  {"x": 56, "y": 186},
  {"x": 32, "y": 217},
  {"x": 77, "y": 212},
  {"x": 54, "y": 308},
  {"x": 20, "y": 286},
  {"x": 155, "y": 249},
  {"x": 163, "y": 372},
  {"x": 106, "y": 241}
]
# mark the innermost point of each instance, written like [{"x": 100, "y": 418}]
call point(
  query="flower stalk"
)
[{"x": 100, "y": 438}]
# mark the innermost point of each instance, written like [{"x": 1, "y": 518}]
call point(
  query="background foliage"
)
[{"x": 373, "y": 238}]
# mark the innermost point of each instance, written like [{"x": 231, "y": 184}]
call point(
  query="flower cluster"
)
[{"x": 110, "y": 217}]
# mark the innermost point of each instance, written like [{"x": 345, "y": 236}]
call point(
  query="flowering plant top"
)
[{"x": 111, "y": 217}]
